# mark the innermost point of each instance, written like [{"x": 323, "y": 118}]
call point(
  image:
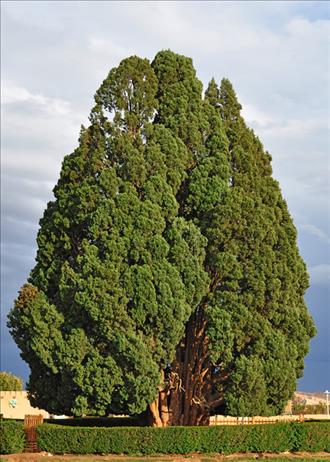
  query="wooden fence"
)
[
  {"x": 30, "y": 428},
  {"x": 257, "y": 420}
]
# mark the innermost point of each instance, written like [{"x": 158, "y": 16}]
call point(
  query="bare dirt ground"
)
[{"x": 283, "y": 457}]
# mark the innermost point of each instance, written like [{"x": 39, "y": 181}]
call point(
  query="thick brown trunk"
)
[
  {"x": 183, "y": 399},
  {"x": 155, "y": 419}
]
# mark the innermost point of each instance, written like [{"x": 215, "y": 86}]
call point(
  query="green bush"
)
[
  {"x": 182, "y": 440},
  {"x": 12, "y": 437}
]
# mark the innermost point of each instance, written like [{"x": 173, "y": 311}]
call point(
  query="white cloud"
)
[
  {"x": 280, "y": 125},
  {"x": 101, "y": 45},
  {"x": 13, "y": 93},
  {"x": 320, "y": 274},
  {"x": 301, "y": 27},
  {"x": 315, "y": 231},
  {"x": 37, "y": 15},
  {"x": 255, "y": 116},
  {"x": 107, "y": 54},
  {"x": 37, "y": 132},
  {"x": 292, "y": 128}
]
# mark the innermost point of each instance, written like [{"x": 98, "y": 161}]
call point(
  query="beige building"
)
[
  {"x": 15, "y": 405},
  {"x": 309, "y": 398}
]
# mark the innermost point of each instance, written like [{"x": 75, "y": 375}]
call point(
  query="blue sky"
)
[{"x": 54, "y": 56}]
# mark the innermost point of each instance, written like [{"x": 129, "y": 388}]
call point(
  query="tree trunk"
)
[{"x": 183, "y": 400}]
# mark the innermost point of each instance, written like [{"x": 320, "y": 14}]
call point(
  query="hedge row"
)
[
  {"x": 182, "y": 440},
  {"x": 12, "y": 437}
]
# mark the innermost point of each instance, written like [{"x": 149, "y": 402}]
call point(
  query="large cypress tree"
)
[{"x": 168, "y": 277}]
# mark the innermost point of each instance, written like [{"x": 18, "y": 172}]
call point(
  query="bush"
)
[
  {"x": 12, "y": 437},
  {"x": 182, "y": 440}
]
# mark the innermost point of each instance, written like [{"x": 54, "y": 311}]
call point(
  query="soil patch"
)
[{"x": 284, "y": 457}]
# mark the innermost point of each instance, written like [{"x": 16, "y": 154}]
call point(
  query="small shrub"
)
[{"x": 12, "y": 437}]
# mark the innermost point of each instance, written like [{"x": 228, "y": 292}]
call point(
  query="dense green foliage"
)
[
  {"x": 166, "y": 206},
  {"x": 12, "y": 437},
  {"x": 182, "y": 440},
  {"x": 259, "y": 326},
  {"x": 9, "y": 382}
]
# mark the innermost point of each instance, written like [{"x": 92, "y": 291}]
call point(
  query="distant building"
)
[
  {"x": 307, "y": 403},
  {"x": 15, "y": 405},
  {"x": 309, "y": 398}
]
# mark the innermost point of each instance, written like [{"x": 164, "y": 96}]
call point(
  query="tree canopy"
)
[
  {"x": 10, "y": 382},
  {"x": 167, "y": 275}
]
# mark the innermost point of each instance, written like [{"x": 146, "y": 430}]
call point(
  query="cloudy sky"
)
[{"x": 54, "y": 56}]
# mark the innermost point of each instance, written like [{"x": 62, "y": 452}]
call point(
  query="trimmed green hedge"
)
[
  {"x": 182, "y": 440},
  {"x": 12, "y": 437}
]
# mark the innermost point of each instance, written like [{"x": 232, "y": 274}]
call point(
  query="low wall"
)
[{"x": 15, "y": 405}]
